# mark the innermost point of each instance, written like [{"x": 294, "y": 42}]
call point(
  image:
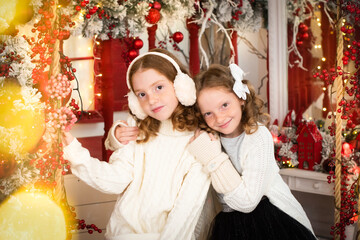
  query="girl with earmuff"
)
[{"x": 161, "y": 186}]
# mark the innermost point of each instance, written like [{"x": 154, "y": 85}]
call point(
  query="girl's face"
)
[
  {"x": 221, "y": 110},
  {"x": 155, "y": 93}
]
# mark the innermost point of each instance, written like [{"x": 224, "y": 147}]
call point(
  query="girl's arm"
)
[
  {"x": 207, "y": 150},
  {"x": 259, "y": 169},
  {"x": 183, "y": 217},
  {"x": 110, "y": 178}
]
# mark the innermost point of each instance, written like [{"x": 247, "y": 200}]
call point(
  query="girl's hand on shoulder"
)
[
  {"x": 197, "y": 134},
  {"x": 124, "y": 134},
  {"x": 204, "y": 146}
]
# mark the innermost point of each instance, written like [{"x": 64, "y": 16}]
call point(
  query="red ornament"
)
[
  {"x": 132, "y": 54},
  {"x": 65, "y": 34},
  {"x": 7, "y": 166},
  {"x": 178, "y": 37},
  {"x": 138, "y": 43},
  {"x": 153, "y": 17},
  {"x": 305, "y": 36},
  {"x": 157, "y": 5},
  {"x": 303, "y": 27}
]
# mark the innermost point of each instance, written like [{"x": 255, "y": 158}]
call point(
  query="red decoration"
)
[
  {"x": 65, "y": 34},
  {"x": 138, "y": 43},
  {"x": 152, "y": 36},
  {"x": 178, "y": 37},
  {"x": 288, "y": 121},
  {"x": 309, "y": 146},
  {"x": 194, "y": 58},
  {"x": 132, "y": 54},
  {"x": 157, "y": 5},
  {"x": 7, "y": 166},
  {"x": 153, "y": 17}
]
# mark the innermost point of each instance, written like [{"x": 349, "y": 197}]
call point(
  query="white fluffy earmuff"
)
[{"x": 183, "y": 84}]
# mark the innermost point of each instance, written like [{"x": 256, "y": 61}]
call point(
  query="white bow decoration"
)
[{"x": 239, "y": 87}]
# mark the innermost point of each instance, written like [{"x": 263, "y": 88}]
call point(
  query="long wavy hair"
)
[
  {"x": 183, "y": 118},
  {"x": 220, "y": 76}
]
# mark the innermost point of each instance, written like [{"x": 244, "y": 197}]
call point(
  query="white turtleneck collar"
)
[{"x": 167, "y": 128}]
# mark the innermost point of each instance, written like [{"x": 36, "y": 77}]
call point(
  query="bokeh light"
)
[{"x": 31, "y": 216}]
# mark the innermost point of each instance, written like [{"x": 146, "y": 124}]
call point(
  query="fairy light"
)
[
  {"x": 324, "y": 109},
  {"x": 324, "y": 88},
  {"x": 323, "y": 59},
  {"x": 319, "y": 67}
]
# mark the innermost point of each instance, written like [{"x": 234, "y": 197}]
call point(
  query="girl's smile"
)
[{"x": 221, "y": 110}]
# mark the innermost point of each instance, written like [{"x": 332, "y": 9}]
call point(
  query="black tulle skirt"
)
[{"x": 266, "y": 222}]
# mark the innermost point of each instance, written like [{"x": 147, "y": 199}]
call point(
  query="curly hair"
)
[
  {"x": 183, "y": 118},
  {"x": 220, "y": 76}
]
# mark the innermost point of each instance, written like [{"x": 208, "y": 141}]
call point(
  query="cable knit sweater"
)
[
  {"x": 161, "y": 186},
  {"x": 258, "y": 174}
]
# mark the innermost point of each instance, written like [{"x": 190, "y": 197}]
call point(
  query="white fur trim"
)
[
  {"x": 185, "y": 89},
  {"x": 135, "y": 107}
]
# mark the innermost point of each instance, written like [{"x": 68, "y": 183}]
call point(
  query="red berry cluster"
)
[
  {"x": 237, "y": 12},
  {"x": 75, "y": 108},
  {"x": 174, "y": 45},
  {"x": 7, "y": 60},
  {"x": 66, "y": 67},
  {"x": 91, "y": 227},
  {"x": 236, "y": 15},
  {"x": 91, "y": 10},
  {"x": 348, "y": 203},
  {"x": 48, "y": 33},
  {"x": 50, "y": 161}
]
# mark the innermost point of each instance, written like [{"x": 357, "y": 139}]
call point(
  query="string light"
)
[
  {"x": 323, "y": 59},
  {"x": 324, "y": 109}
]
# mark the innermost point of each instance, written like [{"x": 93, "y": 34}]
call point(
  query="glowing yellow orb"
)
[
  {"x": 31, "y": 216},
  {"x": 7, "y": 13},
  {"x": 22, "y": 121}
]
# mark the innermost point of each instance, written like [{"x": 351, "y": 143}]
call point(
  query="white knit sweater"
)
[
  {"x": 260, "y": 177},
  {"x": 161, "y": 186}
]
